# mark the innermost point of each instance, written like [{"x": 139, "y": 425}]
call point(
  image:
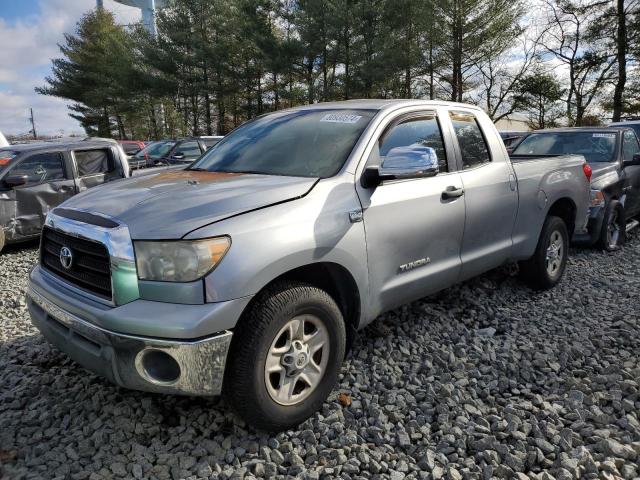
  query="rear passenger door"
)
[
  {"x": 490, "y": 194},
  {"x": 630, "y": 147},
  {"x": 413, "y": 232},
  {"x": 94, "y": 167}
]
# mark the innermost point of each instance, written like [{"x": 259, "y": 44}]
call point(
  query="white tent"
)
[{"x": 3, "y": 141}]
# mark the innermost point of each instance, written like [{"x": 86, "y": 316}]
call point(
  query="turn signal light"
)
[{"x": 587, "y": 171}]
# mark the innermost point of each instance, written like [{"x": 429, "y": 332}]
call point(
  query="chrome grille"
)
[{"x": 90, "y": 268}]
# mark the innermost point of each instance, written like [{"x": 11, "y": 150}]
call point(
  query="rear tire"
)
[
  {"x": 546, "y": 267},
  {"x": 285, "y": 356},
  {"x": 613, "y": 233}
]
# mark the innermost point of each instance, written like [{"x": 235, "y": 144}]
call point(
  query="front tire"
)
[
  {"x": 285, "y": 356},
  {"x": 546, "y": 267},
  {"x": 613, "y": 233}
]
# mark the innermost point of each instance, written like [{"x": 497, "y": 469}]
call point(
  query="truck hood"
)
[
  {"x": 170, "y": 204},
  {"x": 604, "y": 173}
]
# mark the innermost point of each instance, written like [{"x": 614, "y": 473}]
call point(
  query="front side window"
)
[
  {"x": 473, "y": 145},
  {"x": 414, "y": 133},
  {"x": 594, "y": 146},
  {"x": 629, "y": 145},
  {"x": 300, "y": 143},
  {"x": 6, "y": 157},
  {"x": 188, "y": 150},
  {"x": 40, "y": 168}
]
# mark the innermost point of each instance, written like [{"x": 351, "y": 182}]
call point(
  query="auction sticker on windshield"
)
[
  {"x": 340, "y": 118},
  {"x": 604, "y": 135}
]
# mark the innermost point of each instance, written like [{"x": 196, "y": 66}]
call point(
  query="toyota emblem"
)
[{"x": 66, "y": 257}]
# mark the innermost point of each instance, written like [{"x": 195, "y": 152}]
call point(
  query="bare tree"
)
[
  {"x": 589, "y": 63},
  {"x": 501, "y": 76}
]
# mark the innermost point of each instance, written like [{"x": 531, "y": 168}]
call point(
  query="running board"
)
[{"x": 631, "y": 224}]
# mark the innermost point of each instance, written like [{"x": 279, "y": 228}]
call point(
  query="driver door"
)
[
  {"x": 413, "y": 230},
  {"x": 47, "y": 186}
]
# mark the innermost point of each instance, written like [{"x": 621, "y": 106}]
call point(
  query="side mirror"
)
[
  {"x": 178, "y": 156},
  {"x": 633, "y": 162},
  {"x": 16, "y": 180},
  {"x": 413, "y": 161}
]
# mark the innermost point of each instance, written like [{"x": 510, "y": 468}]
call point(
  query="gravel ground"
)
[{"x": 487, "y": 379}]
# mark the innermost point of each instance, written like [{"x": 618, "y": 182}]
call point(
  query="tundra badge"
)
[{"x": 415, "y": 264}]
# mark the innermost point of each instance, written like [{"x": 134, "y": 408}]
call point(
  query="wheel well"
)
[
  {"x": 566, "y": 210},
  {"x": 337, "y": 282}
]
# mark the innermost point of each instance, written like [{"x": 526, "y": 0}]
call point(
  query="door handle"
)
[{"x": 452, "y": 192}]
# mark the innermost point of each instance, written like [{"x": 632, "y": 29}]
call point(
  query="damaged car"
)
[
  {"x": 35, "y": 178},
  {"x": 249, "y": 272}
]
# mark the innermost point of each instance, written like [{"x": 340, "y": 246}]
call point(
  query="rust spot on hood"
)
[{"x": 186, "y": 176}]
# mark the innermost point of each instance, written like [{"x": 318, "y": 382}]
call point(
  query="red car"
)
[{"x": 131, "y": 147}]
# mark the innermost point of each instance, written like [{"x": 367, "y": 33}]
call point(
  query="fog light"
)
[{"x": 159, "y": 366}]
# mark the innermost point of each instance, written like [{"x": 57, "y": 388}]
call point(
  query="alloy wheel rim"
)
[
  {"x": 297, "y": 360},
  {"x": 555, "y": 253}
]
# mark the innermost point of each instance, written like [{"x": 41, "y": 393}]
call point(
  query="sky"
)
[{"x": 31, "y": 31}]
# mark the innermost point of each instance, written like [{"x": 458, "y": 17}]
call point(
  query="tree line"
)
[{"x": 216, "y": 63}]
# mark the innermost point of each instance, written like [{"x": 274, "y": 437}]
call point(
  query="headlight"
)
[
  {"x": 179, "y": 261},
  {"x": 597, "y": 198}
]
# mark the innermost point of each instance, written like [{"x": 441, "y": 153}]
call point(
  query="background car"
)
[
  {"x": 36, "y": 177},
  {"x": 511, "y": 138},
  {"x": 173, "y": 152},
  {"x": 131, "y": 147},
  {"x": 614, "y": 157},
  {"x": 633, "y": 123}
]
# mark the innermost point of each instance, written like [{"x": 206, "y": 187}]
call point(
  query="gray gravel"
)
[{"x": 487, "y": 379}]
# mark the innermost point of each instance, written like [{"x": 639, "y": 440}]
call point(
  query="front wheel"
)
[
  {"x": 612, "y": 235},
  {"x": 546, "y": 267},
  {"x": 285, "y": 356}
]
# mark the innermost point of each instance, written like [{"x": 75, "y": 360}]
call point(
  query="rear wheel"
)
[
  {"x": 613, "y": 233},
  {"x": 285, "y": 356},
  {"x": 546, "y": 267}
]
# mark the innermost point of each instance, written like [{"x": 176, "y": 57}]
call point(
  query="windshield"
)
[
  {"x": 594, "y": 146},
  {"x": 155, "y": 150},
  {"x": 302, "y": 143}
]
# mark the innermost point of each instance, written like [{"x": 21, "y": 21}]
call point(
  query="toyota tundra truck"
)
[{"x": 248, "y": 273}]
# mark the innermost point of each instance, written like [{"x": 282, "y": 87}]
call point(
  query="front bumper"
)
[{"x": 124, "y": 359}]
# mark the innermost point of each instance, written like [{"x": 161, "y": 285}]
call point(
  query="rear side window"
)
[
  {"x": 422, "y": 131},
  {"x": 210, "y": 142},
  {"x": 39, "y": 168},
  {"x": 92, "y": 162},
  {"x": 473, "y": 145},
  {"x": 629, "y": 145}
]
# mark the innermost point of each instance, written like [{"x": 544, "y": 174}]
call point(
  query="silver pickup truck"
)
[{"x": 249, "y": 272}]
